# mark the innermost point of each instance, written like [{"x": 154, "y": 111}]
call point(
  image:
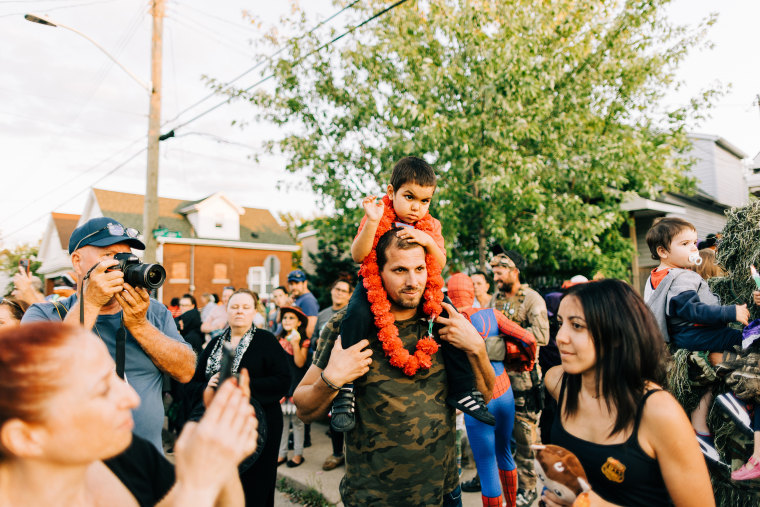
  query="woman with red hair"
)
[{"x": 66, "y": 430}]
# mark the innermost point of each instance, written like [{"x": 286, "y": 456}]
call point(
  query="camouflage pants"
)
[{"x": 525, "y": 431}]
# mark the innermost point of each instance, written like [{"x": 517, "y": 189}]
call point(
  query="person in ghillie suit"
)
[
  {"x": 690, "y": 316},
  {"x": 696, "y": 377}
]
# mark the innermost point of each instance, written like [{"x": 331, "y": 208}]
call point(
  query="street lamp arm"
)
[{"x": 44, "y": 21}]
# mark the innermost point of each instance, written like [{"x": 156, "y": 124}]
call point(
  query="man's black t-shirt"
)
[{"x": 144, "y": 471}]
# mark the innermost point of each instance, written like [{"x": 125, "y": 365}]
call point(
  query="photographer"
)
[{"x": 111, "y": 307}]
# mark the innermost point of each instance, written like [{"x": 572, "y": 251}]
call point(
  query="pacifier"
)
[{"x": 695, "y": 259}]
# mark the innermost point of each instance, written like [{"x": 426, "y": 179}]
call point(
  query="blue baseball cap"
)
[
  {"x": 297, "y": 276},
  {"x": 103, "y": 231}
]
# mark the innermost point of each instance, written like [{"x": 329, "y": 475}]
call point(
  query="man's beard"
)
[
  {"x": 407, "y": 303},
  {"x": 505, "y": 286}
]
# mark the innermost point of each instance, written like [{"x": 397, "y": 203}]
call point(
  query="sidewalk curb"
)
[{"x": 303, "y": 485}]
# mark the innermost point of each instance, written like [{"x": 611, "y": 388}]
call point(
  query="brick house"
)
[{"x": 204, "y": 245}]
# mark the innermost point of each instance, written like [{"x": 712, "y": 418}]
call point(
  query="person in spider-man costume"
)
[{"x": 510, "y": 347}]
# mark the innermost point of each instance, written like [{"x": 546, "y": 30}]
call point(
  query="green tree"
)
[
  {"x": 330, "y": 264},
  {"x": 539, "y": 117}
]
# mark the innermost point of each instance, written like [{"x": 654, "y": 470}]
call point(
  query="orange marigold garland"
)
[{"x": 381, "y": 306}]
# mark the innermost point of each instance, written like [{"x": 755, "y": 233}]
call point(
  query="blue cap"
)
[
  {"x": 297, "y": 276},
  {"x": 96, "y": 232}
]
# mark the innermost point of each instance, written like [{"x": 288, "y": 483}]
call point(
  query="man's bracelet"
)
[{"x": 329, "y": 384}]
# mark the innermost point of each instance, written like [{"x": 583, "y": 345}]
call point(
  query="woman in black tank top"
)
[{"x": 632, "y": 438}]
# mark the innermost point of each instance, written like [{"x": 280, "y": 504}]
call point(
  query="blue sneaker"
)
[
  {"x": 707, "y": 446},
  {"x": 737, "y": 411}
]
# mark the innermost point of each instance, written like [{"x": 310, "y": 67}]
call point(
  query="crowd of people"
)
[{"x": 390, "y": 362}]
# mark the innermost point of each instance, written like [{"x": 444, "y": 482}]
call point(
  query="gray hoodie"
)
[{"x": 676, "y": 282}]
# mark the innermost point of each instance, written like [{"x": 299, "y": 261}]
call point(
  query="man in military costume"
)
[
  {"x": 402, "y": 450},
  {"x": 526, "y": 307}
]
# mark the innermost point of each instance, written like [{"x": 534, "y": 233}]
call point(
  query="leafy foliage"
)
[
  {"x": 9, "y": 260},
  {"x": 539, "y": 117},
  {"x": 330, "y": 264}
]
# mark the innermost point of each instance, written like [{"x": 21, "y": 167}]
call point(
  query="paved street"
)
[{"x": 310, "y": 474}]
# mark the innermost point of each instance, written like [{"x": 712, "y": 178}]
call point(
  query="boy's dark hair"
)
[
  {"x": 282, "y": 288},
  {"x": 629, "y": 346},
  {"x": 663, "y": 231},
  {"x": 388, "y": 239},
  {"x": 412, "y": 170}
]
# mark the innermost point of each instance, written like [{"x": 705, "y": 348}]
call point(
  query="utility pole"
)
[{"x": 150, "y": 214}]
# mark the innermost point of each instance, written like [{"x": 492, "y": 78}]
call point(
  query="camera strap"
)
[
  {"x": 121, "y": 334},
  {"x": 121, "y": 349},
  {"x": 81, "y": 294}
]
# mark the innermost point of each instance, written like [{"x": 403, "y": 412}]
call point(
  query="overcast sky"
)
[{"x": 69, "y": 118}]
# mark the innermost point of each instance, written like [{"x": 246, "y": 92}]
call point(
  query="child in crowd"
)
[
  {"x": 408, "y": 198},
  {"x": 690, "y": 316},
  {"x": 709, "y": 266},
  {"x": 293, "y": 340}
]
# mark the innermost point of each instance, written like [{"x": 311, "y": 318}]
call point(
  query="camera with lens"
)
[{"x": 138, "y": 274}]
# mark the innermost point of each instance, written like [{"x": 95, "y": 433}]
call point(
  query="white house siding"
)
[
  {"x": 643, "y": 224},
  {"x": 706, "y": 221},
  {"x": 704, "y": 167},
  {"x": 731, "y": 186}
]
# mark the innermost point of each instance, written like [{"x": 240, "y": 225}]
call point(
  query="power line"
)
[
  {"x": 248, "y": 29},
  {"x": 260, "y": 63},
  {"x": 217, "y": 139},
  {"x": 57, "y": 187},
  {"x": 264, "y": 79},
  {"x": 101, "y": 75},
  {"x": 59, "y": 8},
  {"x": 133, "y": 156},
  {"x": 77, "y": 194},
  {"x": 194, "y": 26}
]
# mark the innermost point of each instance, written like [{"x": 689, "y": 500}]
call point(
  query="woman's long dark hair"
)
[{"x": 630, "y": 349}]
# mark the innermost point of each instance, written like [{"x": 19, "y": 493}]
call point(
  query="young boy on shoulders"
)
[
  {"x": 689, "y": 314},
  {"x": 408, "y": 198}
]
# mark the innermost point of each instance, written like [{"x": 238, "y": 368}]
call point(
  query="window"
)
[
  {"x": 179, "y": 273},
  {"x": 179, "y": 270},
  {"x": 271, "y": 273},
  {"x": 220, "y": 274}
]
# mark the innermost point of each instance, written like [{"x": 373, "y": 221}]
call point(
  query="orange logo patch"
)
[{"x": 614, "y": 470}]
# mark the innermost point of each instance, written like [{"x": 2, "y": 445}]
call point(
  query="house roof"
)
[
  {"x": 256, "y": 225},
  {"x": 722, "y": 143},
  {"x": 65, "y": 223}
]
